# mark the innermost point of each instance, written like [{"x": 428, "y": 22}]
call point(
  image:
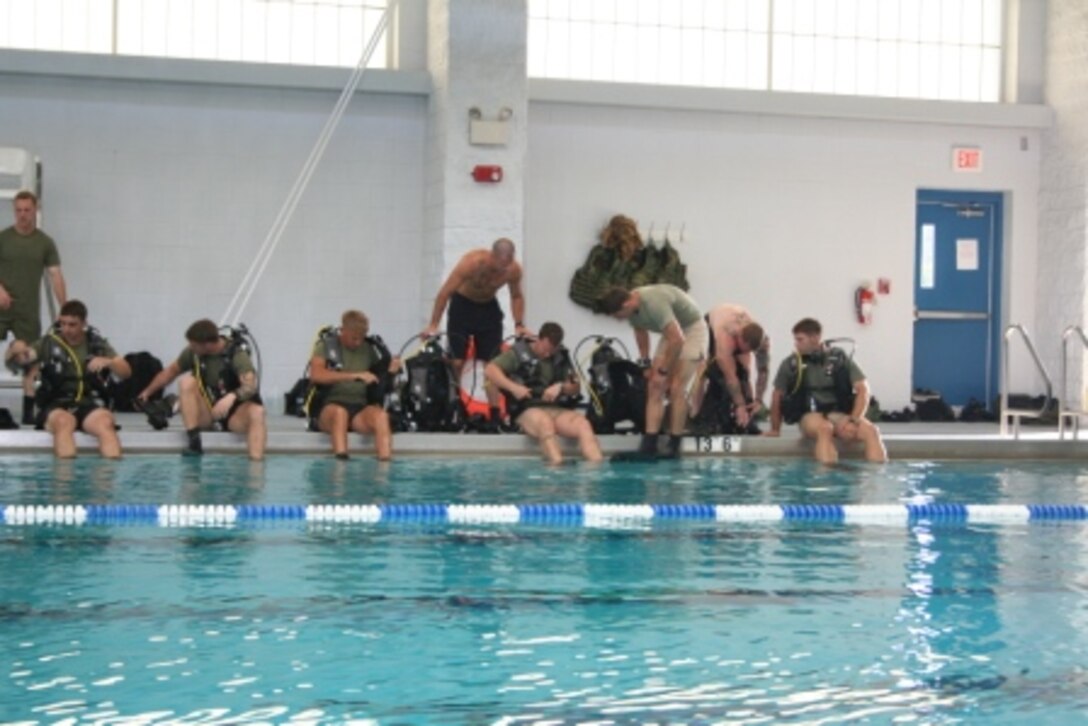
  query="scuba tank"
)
[
  {"x": 617, "y": 386},
  {"x": 428, "y": 396}
]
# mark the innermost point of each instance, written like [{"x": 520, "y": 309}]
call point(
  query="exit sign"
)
[{"x": 966, "y": 158}]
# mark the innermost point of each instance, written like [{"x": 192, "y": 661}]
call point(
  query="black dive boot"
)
[
  {"x": 647, "y": 450},
  {"x": 28, "y": 411},
  {"x": 196, "y": 444},
  {"x": 672, "y": 447}
]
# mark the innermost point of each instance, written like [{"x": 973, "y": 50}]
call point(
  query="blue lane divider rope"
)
[{"x": 590, "y": 515}]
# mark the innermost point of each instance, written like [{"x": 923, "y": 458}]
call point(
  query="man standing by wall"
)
[
  {"x": 470, "y": 293},
  {"x": 25, "y": 252}
]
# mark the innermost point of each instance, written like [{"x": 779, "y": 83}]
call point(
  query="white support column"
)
[
  {"x": 476, "y": 54},
  {"x": 1063, "y": 196}
]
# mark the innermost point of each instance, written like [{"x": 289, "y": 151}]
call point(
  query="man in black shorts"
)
[
  {"x": 473, "y": 310},
  {"x": 74, "y": 364},
  {"x": 220, "y": 386},
  {"x": 347, "y": 365}
]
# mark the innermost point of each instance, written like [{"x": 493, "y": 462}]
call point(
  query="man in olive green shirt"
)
[
  {"x": 537, "y": 377},
  {"x": 75, "y": 364},
  {"x": 220, "y": 386},
  {"x": 668, "y": 310},
  {"x": 25, "y": 253},
  {"x": 343, "y": 364},
  {"x": 825, "y": 392}
]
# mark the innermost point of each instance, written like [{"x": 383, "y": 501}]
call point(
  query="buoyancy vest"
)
[
  {"x": 334, "y": 361},
  {"x": 798, "y": 400},
  {"x": 529, "y": 373},
  {"x": 226, "y": 379},
  {"x": 60, "y": 365}
]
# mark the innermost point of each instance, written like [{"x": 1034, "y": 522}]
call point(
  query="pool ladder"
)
[
  {"x": 1064, "y": 412},
  {"x": 1015, "y": 414}
]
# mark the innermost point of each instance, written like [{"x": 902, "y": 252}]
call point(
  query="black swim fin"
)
[{"x": 637, "y": 456}]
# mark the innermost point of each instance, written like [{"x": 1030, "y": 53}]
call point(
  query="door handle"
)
[{"x": 949, "y": 315}]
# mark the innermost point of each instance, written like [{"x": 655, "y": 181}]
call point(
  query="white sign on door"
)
[{"x": 967, "y": 254}]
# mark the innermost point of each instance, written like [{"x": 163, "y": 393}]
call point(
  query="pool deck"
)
[{"x": 286, "y": 434}]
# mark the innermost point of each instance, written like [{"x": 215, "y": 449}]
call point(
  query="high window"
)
[
  {"x": 934, "y": 49},
  {"x": 303, "y": 32}
]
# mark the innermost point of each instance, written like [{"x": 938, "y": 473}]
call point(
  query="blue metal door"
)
[{"x": 957, "y": 294}]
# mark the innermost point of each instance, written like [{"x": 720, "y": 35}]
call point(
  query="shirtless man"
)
[
  {"x": 470, "y": 292},
  {"x": 734, "y": 339}
]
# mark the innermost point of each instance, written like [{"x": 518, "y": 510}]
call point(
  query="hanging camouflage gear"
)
[{"x": 605, "y": 268}]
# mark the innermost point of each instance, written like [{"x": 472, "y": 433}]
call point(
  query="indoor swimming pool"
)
[{"x": 557, "y": 611}]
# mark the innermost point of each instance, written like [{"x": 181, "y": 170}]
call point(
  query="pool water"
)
[{"x": 440, "y": 623}]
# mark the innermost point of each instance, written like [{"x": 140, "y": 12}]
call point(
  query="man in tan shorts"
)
[{"x": 671, "y": 312}]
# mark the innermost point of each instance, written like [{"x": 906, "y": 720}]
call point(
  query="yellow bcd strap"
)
[
  {"x": 800, "y": 373},
  {"x": 75, "y": 361}
]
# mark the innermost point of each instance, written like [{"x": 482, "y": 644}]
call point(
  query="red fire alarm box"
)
[
  {"x": 884, "y": 286},
  {"x": 487, "y": 173}
]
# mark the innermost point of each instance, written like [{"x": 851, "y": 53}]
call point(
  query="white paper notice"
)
[
  {"x": 967, "y": 254},
  {"x": 926, "y": 273}
]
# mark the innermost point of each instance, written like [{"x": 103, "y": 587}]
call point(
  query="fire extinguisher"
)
[{"x": 864, "y": 300}]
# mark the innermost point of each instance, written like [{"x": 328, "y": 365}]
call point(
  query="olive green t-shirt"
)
[
  {"x": 351, "y": 393},
  {"x": 70, "y": 378},
  {"x": 23, "y": 258},
  {"x": 240, "y": 363},
  {"x": 818, "y": 378},
  {"x": 659, "y": 305}
]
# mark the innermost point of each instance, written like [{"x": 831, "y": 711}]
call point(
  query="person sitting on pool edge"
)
[
  {"x": 823, "y": 390},
  {"x": 220, "y": 386},
  {"x": 540, "y": 386},
  {"x": 347, "y": 367},
  {"x": 74, "y": 364}
]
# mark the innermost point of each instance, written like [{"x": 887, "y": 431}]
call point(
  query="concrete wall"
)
[
  {"x": 159, "y": 195},
  {"x": 783, "y": 214},
  {"x": 1063, "y": 194}
]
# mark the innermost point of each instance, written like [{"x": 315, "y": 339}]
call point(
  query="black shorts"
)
[
  {"x": 234, "y": 408},
  {"x": 353, "y": 410},
  {"x": 482, "y": 321},
  {"x": 80, "y": 410}
]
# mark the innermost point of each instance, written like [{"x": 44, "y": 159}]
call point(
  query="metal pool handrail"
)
[
  {"x": 1063, "y": 412},
  {"x": 1017, "y": 413},
  {"x": 543, "y": 514}
]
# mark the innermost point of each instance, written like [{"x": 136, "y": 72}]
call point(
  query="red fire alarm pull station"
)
[
  {"x": 884, "y": 286},
  {"x": 487, "y": 173}
]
